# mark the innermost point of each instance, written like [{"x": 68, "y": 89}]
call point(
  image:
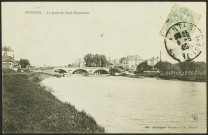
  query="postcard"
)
[{"x": 104, "y": 67}]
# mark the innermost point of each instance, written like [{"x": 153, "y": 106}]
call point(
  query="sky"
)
[{"x": 115, "y": 29}]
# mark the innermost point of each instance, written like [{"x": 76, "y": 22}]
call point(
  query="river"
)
[{"x": 133, "y": 105}]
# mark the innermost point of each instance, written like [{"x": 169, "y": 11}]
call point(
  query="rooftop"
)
[
  {"x": 134, "y": 58},
  {"x": 6, "y": 58}
]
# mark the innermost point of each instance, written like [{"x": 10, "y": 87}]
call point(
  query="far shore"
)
[{"x": 193, "y": 78}]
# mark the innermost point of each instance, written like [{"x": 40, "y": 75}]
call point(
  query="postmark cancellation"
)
[{"x": 177, "y": 14}]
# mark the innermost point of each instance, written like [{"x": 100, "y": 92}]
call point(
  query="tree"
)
[
  {"x": 192, "y": 66},
  {"x": 163, "y": 66},
  {"x": 201, "y": 66},
  {"x": 143, "y": 67},
  {"x": 122, "y": 59},
  {"x": 24, "y": 63},
  {"x": 175, "y": 67},
  {"x": 184, "y": 66},
  {"x": 103, "y": 61},
  {"x": 88, "y": 60},
  {"x": 70, "y": 65},
  {"x": 96, "y": 60}
]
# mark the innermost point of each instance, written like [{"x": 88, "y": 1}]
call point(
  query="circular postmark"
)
[{"x": 180, "y": 44}]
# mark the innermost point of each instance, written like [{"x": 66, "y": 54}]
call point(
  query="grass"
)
[
  {"x": 195, "y": 78},
  {"x": 29, "y": 108}
]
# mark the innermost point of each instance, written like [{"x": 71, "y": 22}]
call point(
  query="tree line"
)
[
  {"x": 177, "y": 68},
  {"x": 96, "y": 60}
]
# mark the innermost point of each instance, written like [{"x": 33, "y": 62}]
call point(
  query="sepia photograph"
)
[{"x": 104, "y": 67}]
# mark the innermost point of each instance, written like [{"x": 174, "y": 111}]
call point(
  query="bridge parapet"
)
[{"x": 71, "y": 70}]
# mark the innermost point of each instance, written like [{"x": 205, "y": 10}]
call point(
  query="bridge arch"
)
[
  {"x": 101, "y": 71},
  {"x": 82, "y": 71},
  {"x": 60, "y": 71}
]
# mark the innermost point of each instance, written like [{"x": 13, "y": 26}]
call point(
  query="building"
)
[
  {"x": 8, "y": 60},
  {"x": 131, "y": 62},
  {"x": 152, "y": 61},
  {"x": 9, "y": 63},
  {"x": 115, "y": 63}
]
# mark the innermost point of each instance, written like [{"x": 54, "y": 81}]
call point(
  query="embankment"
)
[
  {"x": 28, "y": 107},
  {"x": 194, "y": 78}
]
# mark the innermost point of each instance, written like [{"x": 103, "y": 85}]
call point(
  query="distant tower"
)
[{"x": 160, "y": 56}]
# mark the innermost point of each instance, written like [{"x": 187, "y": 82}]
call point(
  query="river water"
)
[{"x": 133, "y": 105}]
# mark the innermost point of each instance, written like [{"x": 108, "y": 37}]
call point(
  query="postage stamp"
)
[
  {"x": 177, "y": 14},
  {"x": 185, "y": 47}
]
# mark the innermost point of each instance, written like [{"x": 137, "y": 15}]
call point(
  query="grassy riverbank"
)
[
  {"x": 28, "y": 107},
  {"x": 195, "y": 78}
]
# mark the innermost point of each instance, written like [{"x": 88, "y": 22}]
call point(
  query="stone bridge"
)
[{"x": 90, "y": 70}]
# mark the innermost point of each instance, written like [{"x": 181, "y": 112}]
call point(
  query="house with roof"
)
[
  {"x": 131, "y": 62},
  {"x": 9, "y": 63}
]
